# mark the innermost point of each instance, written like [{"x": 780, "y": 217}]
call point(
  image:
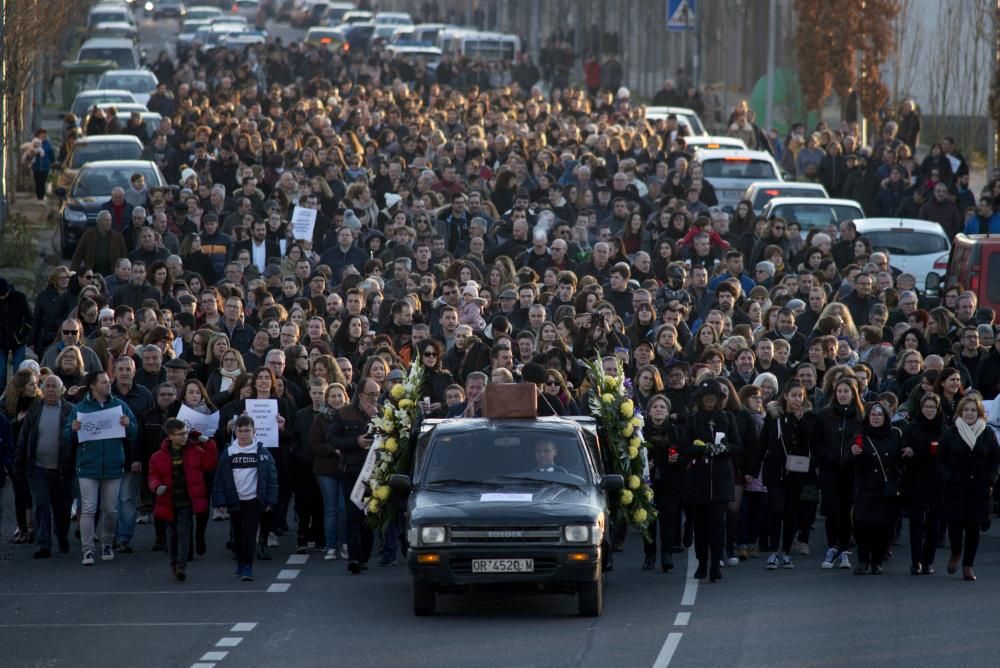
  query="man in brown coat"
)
[{"x": 100, "y": 247}]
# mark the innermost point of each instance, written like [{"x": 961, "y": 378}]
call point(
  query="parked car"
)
[
  {"x": 141, "y": 83},
  {"x": 329, "y": 38},
  {"x": 92, "y": 188},
  {"x": 973, "y": 263},
  {"x": 247, "y": 9},
  {"x": 685, "y": 116},
  {"x": 172, "y": 8},
  {"x": 84, "y": 100},
  {"x": 97, "y": 148},
  {"x": 121, "y": 51},
  {"x": 812, "y": 212},
  {"x": 107, "y": 13},
  {"x": 761, "y": 192},
  {"x": 116, "y": 29},
  {"x": 916, "y": 247},
  {"x": 202, "y": 12},
  {"x": 730, "y": 171}
]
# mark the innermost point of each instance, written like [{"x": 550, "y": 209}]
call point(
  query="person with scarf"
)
[
  {"x": 783, "y": 452},
  {"x": 969, "y": 461},
  {"x": 923, "y": 488},
  {"x": 837, "y": 424},
  {"x": 875, "y": 454},
  {"x": 220, "y": 382},
  {"x": 195, "y": 397},
  {"x": 328, "y": 469},
  {"x": 667, "y": 474},
  {"x": 711, "y": 439},
  {"x": 753, "y": 517}
]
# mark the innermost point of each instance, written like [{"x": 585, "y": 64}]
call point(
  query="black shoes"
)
[
  {"x": 354, "y": 568},
  {"x": 716, "y": 574},
  {"x": 701, "y": 572},
  {"x": 42, "y": 553},
  {"x": 648, "y": 562},
  {"x": 263, "y": 554},
  {"x": 667, "y": 563},
  {"x": 876, "y": 569}
]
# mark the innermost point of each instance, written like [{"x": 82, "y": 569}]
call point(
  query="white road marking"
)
[
  {"x": 690, "y": 584},
  {"x": 243, "y": 627},
  {"x": 682, "y": 619},
  {"x": 297, "y": 559},
  {"x": 278, "y": 588},
  {"x": 667, "y": 651},
  {"x": 214, "y": 656},
  {"x": 228, "y": 642},
  {"x": 202, "y": 665},
  {"x": 108, "y": 624},
  {"x": 288, "y": 574},
  {"x": 175, "y": 592}
]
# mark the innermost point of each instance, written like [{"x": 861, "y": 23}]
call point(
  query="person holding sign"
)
[
  {"x": 100, "y": 458},
  {"x": 204, "y": 418}
]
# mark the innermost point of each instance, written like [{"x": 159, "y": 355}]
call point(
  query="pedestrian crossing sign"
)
[{"x": 680, "y": 14}]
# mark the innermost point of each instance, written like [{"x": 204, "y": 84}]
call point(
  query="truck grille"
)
[
  {"x": 505, "y": 534},
  {"x": 543, "y": 566}
]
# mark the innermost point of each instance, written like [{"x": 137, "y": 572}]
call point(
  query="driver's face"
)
[{"x": 545, "y": 453}]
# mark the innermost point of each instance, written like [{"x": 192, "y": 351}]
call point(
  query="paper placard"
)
[
  {"x": 499, "y": 496},
  {"x": 303, "y": 223},
  {"x": 100, "y": 425},
  {"x": 361, "y": 484},
  {"x": 206, "y": 425},
  {"x": 265, "y": 420}
]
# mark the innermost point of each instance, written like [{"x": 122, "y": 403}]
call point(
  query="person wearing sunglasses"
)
[
  {"x": 436, "y": 379},
  {"x": 70, "y": 335}
]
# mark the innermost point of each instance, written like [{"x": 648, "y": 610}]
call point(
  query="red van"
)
[{"x": 974, "y": 263}]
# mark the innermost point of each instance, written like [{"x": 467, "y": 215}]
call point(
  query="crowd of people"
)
[{"x": 496, "y": 235}]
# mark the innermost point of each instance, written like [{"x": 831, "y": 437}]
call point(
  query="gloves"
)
[
  {"x": 717, "y": 449},
  {"x": 161, "y": 490}
]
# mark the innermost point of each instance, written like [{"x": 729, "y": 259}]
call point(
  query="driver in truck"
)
[{"x": 545, "y": 457}]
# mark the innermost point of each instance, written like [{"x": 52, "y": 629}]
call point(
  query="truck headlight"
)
[
  {"x": 576, "y": 533},
  {"x": 432, "y": 535},
  {"x": 74, "y": 216}
]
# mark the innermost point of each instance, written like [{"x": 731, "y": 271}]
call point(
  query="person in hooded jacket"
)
[
  {"x": 875, "y": 454},
  {"x": 923, "y": 488},
  {"x": 969, "y": 462},
  {"x": 711, "y": 439},
  {"x": 836, "y": 426},
  {"x": 667, "y": 480},
  {"x": 783, "y": 452}
]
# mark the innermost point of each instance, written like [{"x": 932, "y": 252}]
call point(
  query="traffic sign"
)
[{"x": 680, "y": 14}]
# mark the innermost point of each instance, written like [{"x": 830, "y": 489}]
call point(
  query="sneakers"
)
[
  {"x": 845, "y": 560},
  {"x": 786, "y": 561},
  {"x": 246, "y": 574},
  {"x": 239, "y": 571},
  {"x": 803, "y": 548},
  {"x": 331, "y": 555},
  {"x": 143, "y": 518},
  {"x": 732, "y": 559},
  {"x": 831, "y": 556},
  {"x": 107, "y": 554},
  {"x": 343, "y": 551},
  {"x": 272, "y": 539},
  {"x": 772, "y": 563},
  {"x": 743, "y": 552},
  {"x": 74, "y": 510},
  {"x": 88, "y": 559},
  {"x": 125, "y": 547},
  {"x": 219, "y": 515}
]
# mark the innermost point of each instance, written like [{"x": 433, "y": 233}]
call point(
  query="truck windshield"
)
[{"x": 488, "y": 456}]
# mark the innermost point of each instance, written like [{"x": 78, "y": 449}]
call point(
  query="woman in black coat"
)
[
  {"x": 836, "y": 426},
  {"x": 783, "y": 451},
  {"x": 875, "y": 454},
  {"x": 923, "y": 488},
  {"x": 711, "y": 439},
  {"x": 666, "y": 472},
  {"x": 436, "y": 378},
  {"x": 969, "y": 461}
]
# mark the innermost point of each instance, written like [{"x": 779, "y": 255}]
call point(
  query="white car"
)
[
  {"x": 684, "y": 115},
  {"x": 246, "y": 8},
  {"x": 915, "y": 247},
  {"x": 201, "y": 12},
  {"x": 731, "y": 171},
  {"x": 84, "y": 100},
  {"x": 141, "y": 83},
  {"x": 813, "y": 213},
  {"x": 394, "y": 18},
  {"x": 711, "y": 141},
  {"x": 761, "y": 192}
]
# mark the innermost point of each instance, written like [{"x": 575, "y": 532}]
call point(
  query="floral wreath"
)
[
  {"x": 393, "y": 429},
  {"x": 621, "y": 425}
]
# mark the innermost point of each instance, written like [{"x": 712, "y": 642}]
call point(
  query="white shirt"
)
[
  {"x": 243, "y": 461},
  {"x": 259, "y": 255}
]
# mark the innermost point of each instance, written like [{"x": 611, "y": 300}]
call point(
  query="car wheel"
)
[
  {"x": 591, "y": 601},
  {"x": 424, "y": 598}
]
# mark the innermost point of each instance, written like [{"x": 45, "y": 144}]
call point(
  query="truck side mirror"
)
[
  {"x": 400, "y": 483},
  {"x": 613, "y": 483},
  {"x": 933, "y": 282}
]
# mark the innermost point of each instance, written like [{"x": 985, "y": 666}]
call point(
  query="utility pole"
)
[{"x": 772, "y": 22}]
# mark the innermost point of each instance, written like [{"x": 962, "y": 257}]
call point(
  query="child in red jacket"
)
[{"x": 176, "y": 476}]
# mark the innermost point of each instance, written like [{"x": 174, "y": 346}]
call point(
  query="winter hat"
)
[
  {"x": 188, "y": 174},
  {"x": 351, "y": 220},
  {"x": 392, "y": 199},
  {"x": 707, "y": 387},
  {"x": 106, "y": 313},
  {"x": 766, "y": 266}
]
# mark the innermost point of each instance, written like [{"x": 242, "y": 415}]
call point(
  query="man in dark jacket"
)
[
  {"x": 942, "y": 210},
  {"x": 891, "y": 194},
  {"x": 15, "y": 327},
  {"x": 345, "y": 252},
  {"x": 138, "y": 289}
]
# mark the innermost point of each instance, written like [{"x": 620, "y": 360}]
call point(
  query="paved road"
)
[{"x": 303, "y": 612}]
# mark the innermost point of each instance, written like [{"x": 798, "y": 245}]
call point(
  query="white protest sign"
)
[
  {"x": 360, "y": 486},
  {"x": 100, "y": 425},
  {"x": 303, "y": 223},
  {"x": 206, "y": 425},
  {"x": 265, "y": 420}
]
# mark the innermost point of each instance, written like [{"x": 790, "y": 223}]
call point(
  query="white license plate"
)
[{"x": 503, "y": 565}]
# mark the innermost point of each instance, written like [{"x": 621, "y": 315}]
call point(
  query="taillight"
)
[
  {"x": 942, "y": 262},
  {"x": 235, "y": 8},
  {"x": 974, "y": 283}
]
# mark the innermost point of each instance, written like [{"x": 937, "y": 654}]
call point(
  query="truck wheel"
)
[
  {"x": 424, "y": 599},
  {"x": 591, "y": 602}
]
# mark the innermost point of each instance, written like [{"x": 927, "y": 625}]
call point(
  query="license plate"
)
[{"x": 503, "y": 565}]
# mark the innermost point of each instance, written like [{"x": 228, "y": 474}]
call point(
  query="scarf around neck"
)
[{"x": 970, "y": 433}]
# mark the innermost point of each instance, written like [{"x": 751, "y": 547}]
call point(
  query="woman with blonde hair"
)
[
  {"x": 51, "y": 307},
  {"x": 21, "y": 393}
]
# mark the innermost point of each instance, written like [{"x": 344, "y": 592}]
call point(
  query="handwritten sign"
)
[
  {"x": 206, "y": 425},
  {"x": 100, "y": 425},
  {"x": 303, "y": 223},
  {"x": 361, "y": 484},
  {"x": 265, "y": 420}
]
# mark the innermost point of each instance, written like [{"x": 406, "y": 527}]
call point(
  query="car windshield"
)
[
  {"x": 907, "y": 242},
  {"x": 502, "y": 456},
  {"x": 819, "y": 215},
  {"x": 119, "y": 150},
  {"x": 84, "y": 104},
  {"x": 122, "y": 57},
  {"x": 135, "y": 83},
  {"x": 765, "y": 195},
  {"x": 99, "y": 182},
  {"x": 738, "y": 168}
]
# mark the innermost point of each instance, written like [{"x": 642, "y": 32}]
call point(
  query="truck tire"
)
[
  {"x": 424, "y": 599},
  {"x": 591, "y": 601}
]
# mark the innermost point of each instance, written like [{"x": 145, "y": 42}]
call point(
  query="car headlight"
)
[
  {"x": 74, "y": 216},
  {"x": 432, "y": 535},
  {"x": 576, "y": 533},
  {"x": 149, "y": 6}
]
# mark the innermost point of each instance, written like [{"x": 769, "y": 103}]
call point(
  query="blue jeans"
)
[
  {"x": 52, "y": 506},
  {"x": 5, "y": 355},
  {"x": 128, "y": 498},
  {"x": 329, "y": 487}
]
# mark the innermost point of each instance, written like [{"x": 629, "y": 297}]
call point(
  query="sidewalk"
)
[{"x": 32, "y": 276}]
